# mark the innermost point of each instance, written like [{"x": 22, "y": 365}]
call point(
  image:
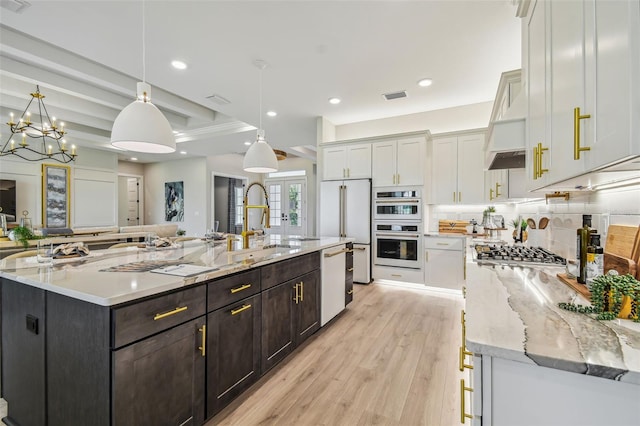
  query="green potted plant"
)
[
  {"x": 523, "y": 229},
  {"x": 22, "y": 235},
  {"x": 612, "y": 296}
]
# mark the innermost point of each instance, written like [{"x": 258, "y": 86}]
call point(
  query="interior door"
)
[
  {"x": 288, "y": 206},
  {"x": 133, "y": 201}
]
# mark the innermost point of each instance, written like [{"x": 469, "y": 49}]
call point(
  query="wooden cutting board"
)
[
  {"x": 621, "y": 264},
  {"x": 452, "y": 226},
  {"x": 621, "y": 240}
]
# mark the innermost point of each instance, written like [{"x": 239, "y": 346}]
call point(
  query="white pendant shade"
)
[
  {"x": 141, "y": 127},
  {"x": 260, "y": 158}
]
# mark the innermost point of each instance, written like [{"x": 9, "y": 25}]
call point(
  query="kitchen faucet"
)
[{"x": 246, "y": 233}]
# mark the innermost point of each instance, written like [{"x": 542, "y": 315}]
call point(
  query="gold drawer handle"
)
[
  {"x": 302, "y": 291},
  {"x": 463, "y": 415},
  {"x": 335, "y": 253},
  {"x": 237, "y": 289},
  {"x": 237, "y": 311},
  {"x": 350, "y": 292},
  {"x": 168, "y": 314},
  {"x": 577, "y": 149},
  {"x": 202, "y": 348},
  {"x": 349, "y": 269},
  {"x": 297, "y": 296},
  {"x": 463, "y": 354}
]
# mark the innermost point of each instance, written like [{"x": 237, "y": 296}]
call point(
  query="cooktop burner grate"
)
[{"x": 501, "y": 254}]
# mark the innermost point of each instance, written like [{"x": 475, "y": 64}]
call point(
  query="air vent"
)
[
  {"x": 395, "y": 95},
  {"x": 17, "y": 6},
  {"x": 220, "y": 100}
]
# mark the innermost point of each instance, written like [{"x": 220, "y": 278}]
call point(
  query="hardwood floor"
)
[{"x": 389, "y": 359}]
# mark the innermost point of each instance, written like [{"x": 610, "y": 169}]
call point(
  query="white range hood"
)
[{"x": 506, "y": 143}]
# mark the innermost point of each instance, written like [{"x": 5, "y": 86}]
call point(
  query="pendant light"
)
[
  {"x": 140, "y": 126},
  {"x": 260, "y": 158}
]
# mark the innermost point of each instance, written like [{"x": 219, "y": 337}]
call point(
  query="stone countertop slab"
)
[
  {"x": 513, "y": 313},
  {"x": 93, "y": 278}
]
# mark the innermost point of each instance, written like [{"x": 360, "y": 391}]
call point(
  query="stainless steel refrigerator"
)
[{"x": 345, "y": 211}]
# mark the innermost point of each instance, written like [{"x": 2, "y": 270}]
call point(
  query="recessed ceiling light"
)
[
  {"x": 272, "y": 113},
  {"x": 134, "y": 159},
  {"x": 247, "y": 143},
  {"x": 425, "y": 82},
  {"x": 179, "y": 65},
  {"x": 334, "y": 101},
  {"x": 183, "y": 152}
]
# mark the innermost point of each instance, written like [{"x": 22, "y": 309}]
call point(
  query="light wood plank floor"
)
[{"x": 389, "y": 359}]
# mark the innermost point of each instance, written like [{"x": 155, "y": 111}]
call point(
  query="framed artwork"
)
[
  {"x": 173, "y": 202},
  {"x": 56, "y": 199}
]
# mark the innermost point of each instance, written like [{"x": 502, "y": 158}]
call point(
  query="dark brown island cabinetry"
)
[
  {"x": 290, "y": 306},
  {"x": 174, "y": 358},
  {"x": 348, "y": 276},
  {"x": 233, "y": 337}
]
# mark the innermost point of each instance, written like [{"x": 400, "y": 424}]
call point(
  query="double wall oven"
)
[{"x": 398, "y": 227}]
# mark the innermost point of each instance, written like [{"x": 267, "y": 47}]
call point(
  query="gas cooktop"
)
[{"x": 516, "y": 255}]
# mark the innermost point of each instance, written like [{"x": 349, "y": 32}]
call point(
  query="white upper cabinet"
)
[
  {"x": 347, "y": 162},
  {"x": 399, "y": 163},
  {"x": 457, "y": 170},
  {"x": 496, "y": 185},
  {"x": 584, "y": 87}
]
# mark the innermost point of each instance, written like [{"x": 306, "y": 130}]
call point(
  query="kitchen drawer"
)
[
  {"x": 444, "y": 243},
  {"x": 231, "y": 289},
  {"x": 139, "y": 320},
  {"x": 279, "y": 272}
]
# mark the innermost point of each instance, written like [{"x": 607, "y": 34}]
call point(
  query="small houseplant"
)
[
  {"x": 612, "y": 296},
  {"x": 22, "y": 235},
  {"x": 523, "y": 230}
]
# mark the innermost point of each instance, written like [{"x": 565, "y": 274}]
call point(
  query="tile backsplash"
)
[{"x": 612, "y": 206}]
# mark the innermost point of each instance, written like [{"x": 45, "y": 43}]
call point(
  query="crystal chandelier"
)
[{"x": 49, "y": 135}]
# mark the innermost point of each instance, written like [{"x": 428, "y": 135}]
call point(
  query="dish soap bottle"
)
[{"x": 582, "y": 241}]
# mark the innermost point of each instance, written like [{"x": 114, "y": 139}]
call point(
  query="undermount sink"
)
[{"x": 257, "y": 253}]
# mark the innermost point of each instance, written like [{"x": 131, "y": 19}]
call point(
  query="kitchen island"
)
[
  {"x": 537, "y": 364},
  {"x": 103, "y": 340}
]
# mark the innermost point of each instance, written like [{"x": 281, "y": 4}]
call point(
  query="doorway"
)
[
  {"x": 228, "y": 193},
  {"x": 288, "y": 205},
  {"x": 130, "y": 205}
]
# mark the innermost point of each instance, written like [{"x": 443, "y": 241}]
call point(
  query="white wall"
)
[
  {"x": 438, "y": 121},
  {"x": 193, "y": 173}
]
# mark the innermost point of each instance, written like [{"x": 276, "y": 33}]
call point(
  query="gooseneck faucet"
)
[{"x": 246, "y": 233}]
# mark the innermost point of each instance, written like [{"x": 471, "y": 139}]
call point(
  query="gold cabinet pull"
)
[
  {"x": 490, "y": 194},
  {"x": 350, "y": 292},
  {"x": 459, "y": 197},
  {"x": 349, "y": 269},
  {"x": 426, "y": 256},
  {"x": 335, "y": 253},
  {"x": 302, "y": 291},
  {"x": 398, "y": 178},
  {"x": 535, "y": 162},
  {"x": 203, "y": 331},
  {"x": 297, "y": 296},
  {"x": 463, "y": 355},
  {"x": 168, "y": 314},
  {"x": 242, "y": 309},
  {"x": 577, "y": 149},
  {"x": 498, "y": 190},
  {"x": 454, "y": 196},
  {"x": 463, "y": 389},
  {"x": 541, "y": 150},
  {"x": 242, "y": 287},
  {"x": 464, "y": 291}
]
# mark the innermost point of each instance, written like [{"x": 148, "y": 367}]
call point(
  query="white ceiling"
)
[{"x": 87, "y": 57}]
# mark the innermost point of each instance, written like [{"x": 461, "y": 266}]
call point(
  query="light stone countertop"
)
[
  {"x": 513, "y": 313},
  {"x": 85, "y": 278}
]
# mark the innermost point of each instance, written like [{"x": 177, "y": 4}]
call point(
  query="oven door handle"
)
[
  {"x": 398, "y": 235},
  {"x": 397, "y": 201}
]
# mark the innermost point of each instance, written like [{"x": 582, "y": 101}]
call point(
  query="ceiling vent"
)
[
  {"x": 220, "y": 100},
  {"x": 17, "y": 6},
  {"x": 395, "y": 95}
]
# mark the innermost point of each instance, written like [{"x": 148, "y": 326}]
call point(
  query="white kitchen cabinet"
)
[
  {"x": 504, "y": 185},
  {"x": 347, "y": 162},
  {"x": 507, "y": 392},
  {"x": 457, "y": 169},
  {"x": 444, "y": 262},
  {"x": 584, "y": 91},
  {"x": 399, "y": 162}
]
